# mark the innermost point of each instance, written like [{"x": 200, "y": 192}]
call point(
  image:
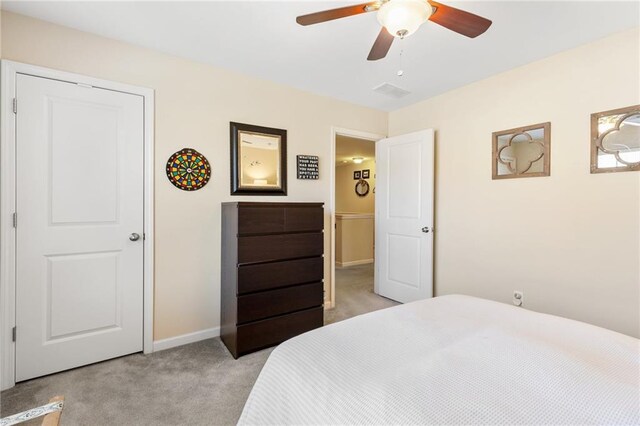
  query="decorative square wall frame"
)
[
  {"x": 615, "y": 140},
  {"x": 522, "y": 152}
]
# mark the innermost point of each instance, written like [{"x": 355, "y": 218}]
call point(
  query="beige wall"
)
[
  {"x": 569, "y": 241},
  {"x": 194, "y": 105},
  {"x": 354, "y": 239},
  {"x": 346, "y": 198}
]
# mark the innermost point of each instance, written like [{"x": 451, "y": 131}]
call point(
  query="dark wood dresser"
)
[{"x": 272, "y": 273}]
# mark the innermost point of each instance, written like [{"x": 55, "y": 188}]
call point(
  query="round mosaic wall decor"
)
[{"x": 188, "y": 170}]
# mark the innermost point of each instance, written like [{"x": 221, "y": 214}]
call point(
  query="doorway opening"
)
[{"x": 354, "y": 228}]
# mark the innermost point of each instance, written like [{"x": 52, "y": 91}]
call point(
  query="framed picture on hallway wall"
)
[
  {"x": 357, "y": 175},
  {"x": 365, "y": 174}
]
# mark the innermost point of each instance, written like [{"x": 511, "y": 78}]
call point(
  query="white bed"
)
[{"x": 450, "y": 360}]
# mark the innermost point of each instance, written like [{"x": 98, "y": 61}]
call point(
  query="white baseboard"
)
[
  {"x": 184, "y": 339},
  {"x": 354, "y": 263}
]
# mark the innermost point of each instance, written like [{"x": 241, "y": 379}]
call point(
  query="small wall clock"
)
[
  {"x": 188, "y": 170},
  {"x": 362, "y": 188}
]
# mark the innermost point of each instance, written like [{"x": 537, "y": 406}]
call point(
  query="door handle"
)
[
  {"x": 134, "y": 237},
  {"x": 425, "y": 229}
]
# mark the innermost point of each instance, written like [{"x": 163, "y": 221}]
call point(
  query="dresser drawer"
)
[
  {"x": 257, "y": 306},
  {"x": 267, "y": 276},
  {"x": 303, "y": 219},
  {"x": 276, "y": 219},
  {"x": 260, "y": 220},
  {"x": 265, "y": 333},
  {"x": 279, "y": 247}
]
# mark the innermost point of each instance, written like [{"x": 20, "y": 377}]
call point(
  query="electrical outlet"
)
[{"x": 518, "y": 298}]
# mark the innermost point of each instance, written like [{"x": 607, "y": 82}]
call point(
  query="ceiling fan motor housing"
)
[{"x": 403, "y": 17}]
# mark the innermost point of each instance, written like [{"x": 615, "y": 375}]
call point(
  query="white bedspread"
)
[{"x": 451, "y": 360}]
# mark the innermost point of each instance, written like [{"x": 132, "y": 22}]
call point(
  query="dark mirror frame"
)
[{"x": 235, "y": 128}]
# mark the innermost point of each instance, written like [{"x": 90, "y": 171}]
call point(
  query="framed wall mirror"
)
[
  {"x": 258, "y": 160},
  {"x": 522, "y": 152},
  {"x": 615, "y": 140}
]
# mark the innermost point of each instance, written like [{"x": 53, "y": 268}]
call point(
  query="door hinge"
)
[
  {"x": 15, "y": 105},
  {"x": 15, "y": 220},
  {"x": 13, "y": 334}
]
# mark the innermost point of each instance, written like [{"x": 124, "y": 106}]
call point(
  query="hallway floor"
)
[{"x": 354, "y": 294}]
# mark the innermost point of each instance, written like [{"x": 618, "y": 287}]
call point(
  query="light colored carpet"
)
[
  {"x": 354, "y": 294},
  {"x": 196, "y": 384}
]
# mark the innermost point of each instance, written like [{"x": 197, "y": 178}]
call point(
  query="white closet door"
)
[{"x": 79, "y": 289}]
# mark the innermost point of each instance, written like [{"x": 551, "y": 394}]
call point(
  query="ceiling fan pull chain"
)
[{"x": 400, "y": 71}]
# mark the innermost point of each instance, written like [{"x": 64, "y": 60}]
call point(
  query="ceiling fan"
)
[{"x": 401, "y": 18}]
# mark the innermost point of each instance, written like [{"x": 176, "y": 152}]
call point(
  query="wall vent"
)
[{"x": 389, "y": 89}]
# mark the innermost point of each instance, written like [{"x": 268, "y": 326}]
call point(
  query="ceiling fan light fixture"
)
[{"x": 403, "y": 17}]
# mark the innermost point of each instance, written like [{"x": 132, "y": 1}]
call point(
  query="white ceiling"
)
[{"x": 261, "y": 38}]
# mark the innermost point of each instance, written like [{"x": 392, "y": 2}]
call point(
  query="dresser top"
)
[{"x": 270, "y": 204}]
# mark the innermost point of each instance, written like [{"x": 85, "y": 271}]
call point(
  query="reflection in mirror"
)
[
  {"x": 259, "y": 155},
  {"x": 521, "y": 152},
  {"x": 615, "y": 140},
  {"x": 258, "y": 160}
]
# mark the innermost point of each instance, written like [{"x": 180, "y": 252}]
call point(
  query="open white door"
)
[
  {"x": 80, "y": 186},
  {"x": 404, "y": 216}
]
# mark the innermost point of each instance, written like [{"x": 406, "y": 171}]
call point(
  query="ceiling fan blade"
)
[
  {"x": 457, "y": 20},
  {"x": 342, "y": 12},
  {"x": 381, "y": 46}
]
